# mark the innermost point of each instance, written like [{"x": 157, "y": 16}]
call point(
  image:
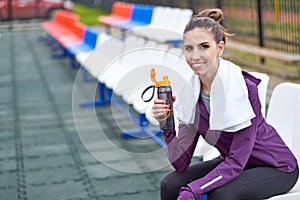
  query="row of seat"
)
[
  {"x": 95, "y": 51},
  {"x": 122, "y": 68},
  {"x": 65, "y": 28},
  {"x": 116, "y": 64},
  {"x": 71, "y": 36},
  {"x": 159, "y": 23}
]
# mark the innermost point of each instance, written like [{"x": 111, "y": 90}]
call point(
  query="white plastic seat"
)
[
  {"x": 175, "y": 68},
  {"x": 180, "y": 18},
  {"x": 163, "y": 29},
  {"x": 158, "y": 13},
  {"x": 83, "y": 56},
  {"x": 184, "y": 19},
  {"x": 98, "y": 59},
  {"x": 284, "y": 115},
  {"x": 262, "y": 89},
  {"x": 282, "y": 111},
  {"x": 138, "y": 75},
  {"x": 110, "y": 74},
  {"x": 125, "y": 76},
  {"x": 140, "y": 57}
]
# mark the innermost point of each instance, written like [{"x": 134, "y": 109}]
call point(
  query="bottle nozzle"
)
[
  {"x": 164, "y": 82},
  {"x": 152, "y": 75}
]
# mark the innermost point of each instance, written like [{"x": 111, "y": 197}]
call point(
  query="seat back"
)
[
  {"x": 282, "y": 112},
  {"x": 103, "y": 55},
  {"x": 133, "y": 42},
  {"x": 296, "y": 137},
  {"x": 284, "y": 115},
  {"x": 124, "y": 9},
  {"x": 156, "y": 16},
  {"x": 66, "y": 18},
  {"x": 184, "y": 19},
  {"x": 90, "y": 38},
  {"x": 262, "y": 89},
  {"x": 142, "y": 13},
  {"x": 78, "y": 30},
  {"x": 102, "y": 37}
]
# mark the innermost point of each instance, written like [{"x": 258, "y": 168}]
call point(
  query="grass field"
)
[{"x": 88, "y": 16}]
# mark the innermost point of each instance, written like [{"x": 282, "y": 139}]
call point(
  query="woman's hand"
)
[
  {"x": 160, "y": 109},
  {"x": 185, "y": 193}
]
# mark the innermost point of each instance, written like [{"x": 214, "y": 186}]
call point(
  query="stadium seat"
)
[
  {"x": 141, "y": 16},
  {"x": 87, "y": 45},
  {"x": 121, "y": 13},
  {"x": 284, "y": 115}
]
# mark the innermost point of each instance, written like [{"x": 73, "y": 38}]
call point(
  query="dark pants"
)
[{"x": 255, "y": 183}]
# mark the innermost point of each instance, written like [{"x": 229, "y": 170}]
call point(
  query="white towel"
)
[{"x": 230, "y": 108}]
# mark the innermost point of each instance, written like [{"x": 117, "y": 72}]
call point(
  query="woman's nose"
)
[{"x": 196, "y": 55}]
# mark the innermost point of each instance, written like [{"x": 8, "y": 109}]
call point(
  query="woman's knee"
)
[{"x": 168, "y": 188}]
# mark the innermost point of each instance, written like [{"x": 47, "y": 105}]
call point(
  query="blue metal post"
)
[
  {"x": 104, "y": 97},
  {"x": 86, "y": 78}
]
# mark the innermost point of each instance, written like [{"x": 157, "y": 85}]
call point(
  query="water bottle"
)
[{"x": 164, "y": 92}]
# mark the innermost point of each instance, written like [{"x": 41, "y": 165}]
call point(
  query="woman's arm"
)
[{"x": 180, "y": 149}]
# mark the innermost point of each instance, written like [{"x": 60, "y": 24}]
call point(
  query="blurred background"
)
[{"x": 269, "y": 23}]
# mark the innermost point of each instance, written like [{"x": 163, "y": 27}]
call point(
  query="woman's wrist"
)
[{"x": 169, "y": 135}]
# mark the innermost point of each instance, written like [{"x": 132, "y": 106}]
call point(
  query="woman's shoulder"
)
[
  {"x": 251, "y": 82},
  {"x": 251, "y": 79}
]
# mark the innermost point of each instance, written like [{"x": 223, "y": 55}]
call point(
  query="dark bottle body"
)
[{"x": 165, "y": 93}]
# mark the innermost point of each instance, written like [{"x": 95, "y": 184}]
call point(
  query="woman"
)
[{"x": 254, "y": 162}]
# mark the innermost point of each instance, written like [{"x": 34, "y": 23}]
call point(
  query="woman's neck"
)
[
  {"x": 206, "y": 82},
  {"x": 207, "y": 79},
  {"x": 205, "y": 86}
]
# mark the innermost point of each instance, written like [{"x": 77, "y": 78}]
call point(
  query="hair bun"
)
[{"x": 213, "y": 13}]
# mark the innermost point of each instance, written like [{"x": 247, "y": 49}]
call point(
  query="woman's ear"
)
[{"x": 221, "y": 47}]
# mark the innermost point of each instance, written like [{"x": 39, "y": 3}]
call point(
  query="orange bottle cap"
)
[{"x": 164, "y": 82}]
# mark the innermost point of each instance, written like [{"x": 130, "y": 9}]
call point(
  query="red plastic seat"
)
[
  {"x": 65, "y": 28},
  {"x": 60, "y": 23},
  {"x": 74, "y": 37},
  {"x": 121, "y": 12}
]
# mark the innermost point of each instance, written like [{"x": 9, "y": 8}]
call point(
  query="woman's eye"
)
[{"x": 188, "y": 48}]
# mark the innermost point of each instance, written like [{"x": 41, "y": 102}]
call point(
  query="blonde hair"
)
[{"x": 210, "y": 20}]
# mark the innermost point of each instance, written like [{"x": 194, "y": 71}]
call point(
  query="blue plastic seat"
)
[
  {"x": 141, "y": 16},
  {"x": 87, "y": 45},
  {"x": 203, "y": 197}
]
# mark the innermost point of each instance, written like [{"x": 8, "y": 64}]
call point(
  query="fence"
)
[{"x": 270, "y": 23}]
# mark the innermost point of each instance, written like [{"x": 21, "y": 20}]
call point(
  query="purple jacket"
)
[{"x": 256, "y": 145}]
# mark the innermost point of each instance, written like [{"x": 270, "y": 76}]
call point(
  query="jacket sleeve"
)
[
  {"x": 180, "y": 149},
  {"x": 240, "y": 151}
]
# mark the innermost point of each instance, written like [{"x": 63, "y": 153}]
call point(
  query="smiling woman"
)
[{"x": 226, "y": 113}]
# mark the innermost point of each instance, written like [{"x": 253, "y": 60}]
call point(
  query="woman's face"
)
[{"x": 202, "y": 52}]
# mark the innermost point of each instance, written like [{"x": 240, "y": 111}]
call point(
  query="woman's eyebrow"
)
[{"x": 202, "y": 43}]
